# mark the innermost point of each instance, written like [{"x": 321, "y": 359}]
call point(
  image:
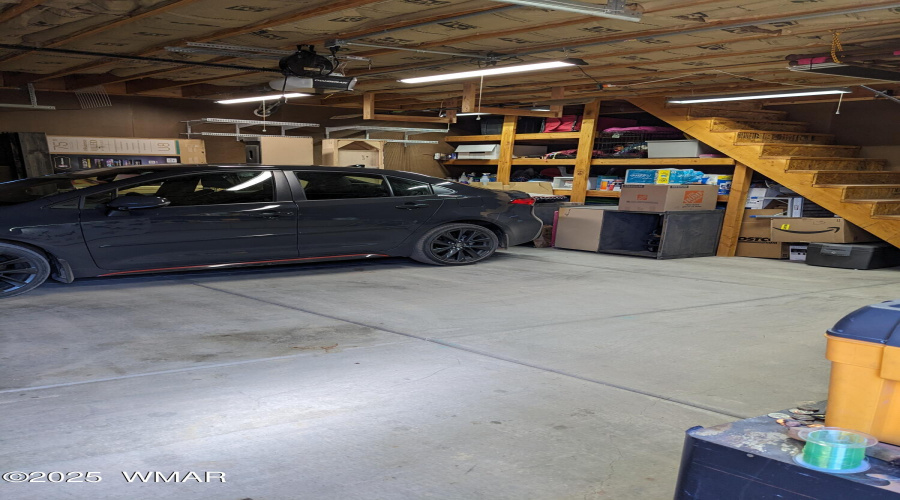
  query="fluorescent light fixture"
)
[
  {"x": 614, "y": 9},
  {"x": 273, "y": 97},
  {"x": 763, "y": 95},
  {"x": 497, "y": 70},
  {"x": 473, "y": 114}
]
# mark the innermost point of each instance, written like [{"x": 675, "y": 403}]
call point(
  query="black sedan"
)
[{"x": 127, "y": 220}]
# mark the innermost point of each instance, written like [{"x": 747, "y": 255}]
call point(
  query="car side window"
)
[
  {"x": 338, "y": 185},
  {"x": 211, "y": 188},
  {"x": 407, "y": 187},
  {"x": 443, "y": 188}
]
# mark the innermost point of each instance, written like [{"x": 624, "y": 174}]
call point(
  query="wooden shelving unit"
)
[
  {"x": 583, "y": 162},
  {"x": 596, "y": 193},
  {"x": 654, "y": 162}
]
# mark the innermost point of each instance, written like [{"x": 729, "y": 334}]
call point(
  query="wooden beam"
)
[
  {"x": 515, "y": 112},
  {"x": 306, "y": 12},
  {"x": 17, "y": 10},
  {"x": 491, "y": 34},
  {"x": 557, "y": 93},
  {"x": 734, "y": 210},
  {"x": 410, "y": 118},
  {"x": 585, "y": 151},
  {"x": 128, "y": 18},
  {"x": 370, "y": 114},
  {"x": 469, "y": 98},
  {"x": 507, "y": 140},
  {"x": 369, "y": 106}
]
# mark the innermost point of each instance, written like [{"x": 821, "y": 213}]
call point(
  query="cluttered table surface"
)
[{"x": 754, "y": 459}]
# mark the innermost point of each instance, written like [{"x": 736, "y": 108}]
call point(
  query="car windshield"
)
[{"x": 25, "y": 190}]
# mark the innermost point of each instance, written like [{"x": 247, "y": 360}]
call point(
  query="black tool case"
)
[{"x": 853, "y": 255}]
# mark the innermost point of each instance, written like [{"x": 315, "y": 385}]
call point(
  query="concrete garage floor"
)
[{"x": 540, "y": 374}]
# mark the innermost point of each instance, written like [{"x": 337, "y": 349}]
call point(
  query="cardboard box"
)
[
  {"x": 492, "y": 151},
  {"x": 667, "y": 197},
  {"x": 817, "y": 229},
  {"x": 527, "y": 187},
  {"x": 578, "y": 228},
  {"x": 755, "y": 238}
]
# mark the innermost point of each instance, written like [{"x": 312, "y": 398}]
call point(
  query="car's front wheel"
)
[
  {"x": 21, "y": 270},
  {"x": 456, "y": 244}
]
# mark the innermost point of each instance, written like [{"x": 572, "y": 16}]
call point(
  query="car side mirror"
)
[{"x": 137, "y": 202}]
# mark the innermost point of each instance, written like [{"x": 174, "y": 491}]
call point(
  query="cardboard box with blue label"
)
[{"x": 817, "y": 229}]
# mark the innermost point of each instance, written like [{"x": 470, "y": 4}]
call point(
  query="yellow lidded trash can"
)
[{"x": 864, "y": 392}]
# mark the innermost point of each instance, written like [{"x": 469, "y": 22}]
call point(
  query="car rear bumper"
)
[{"x": 521, "y": 225}]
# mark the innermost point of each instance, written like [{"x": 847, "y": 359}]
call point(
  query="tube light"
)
[
  {"x": 763, "y": 95},
  {"x": 496, "y": 70},
  {"x": 612, "y": 10},
  {"x": 473, "y": 114},
  {"x": 258, "y": 98}
]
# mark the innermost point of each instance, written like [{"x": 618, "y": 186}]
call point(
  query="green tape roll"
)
[{"x": 835, "y": 449}]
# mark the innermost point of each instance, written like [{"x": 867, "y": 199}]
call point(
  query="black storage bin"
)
[
  {"x": 529, "y": 125},
  {"x": 853, "y": 255},
  {"x": 661, "y": 235},
  {"x": 491, "y": 125}
]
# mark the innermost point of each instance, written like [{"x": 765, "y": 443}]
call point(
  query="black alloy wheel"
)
[
  {"x": 456, "y": 244},
  {"x": 21, "y": 270}
]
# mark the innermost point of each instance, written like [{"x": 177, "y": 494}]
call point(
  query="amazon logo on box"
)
[{"x": 817, "y": 230}]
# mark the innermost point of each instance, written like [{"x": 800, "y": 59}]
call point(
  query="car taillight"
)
[{"x": 522, "y": 201}]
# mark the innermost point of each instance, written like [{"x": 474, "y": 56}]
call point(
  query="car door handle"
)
[
  {"x": 268, "y": 215},
  {"x": 413, "y": 206}
]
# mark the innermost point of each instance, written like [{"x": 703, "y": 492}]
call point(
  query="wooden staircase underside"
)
[{"x": 857, "y": 189}]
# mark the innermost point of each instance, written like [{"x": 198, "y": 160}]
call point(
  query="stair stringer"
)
[{"x": 800, "y": 182}]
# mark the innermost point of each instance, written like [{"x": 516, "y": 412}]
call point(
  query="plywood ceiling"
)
[{"x": 680, "y": 46}]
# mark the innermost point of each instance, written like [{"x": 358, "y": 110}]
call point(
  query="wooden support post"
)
[
  {"x": 734, "y": 210},
  {"x": 585, "y": 151},
  {"x": 507, "y": 139},
  {"x": 557, "y": 93},
  {"x": 468, "y": 98},
  {"x": 368, "y": 106}
]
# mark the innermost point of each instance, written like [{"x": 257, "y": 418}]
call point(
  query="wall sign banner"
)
[{"x": 111, "y": 145}]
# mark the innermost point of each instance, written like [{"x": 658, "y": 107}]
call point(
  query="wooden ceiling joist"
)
[
  {"x": 14, "y": 11},
  {"x": 96, "y": 30},
  {"x": 735, "y": 29}
]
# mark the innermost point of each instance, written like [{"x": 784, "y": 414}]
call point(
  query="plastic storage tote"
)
[{"x": 864, "y": 392}]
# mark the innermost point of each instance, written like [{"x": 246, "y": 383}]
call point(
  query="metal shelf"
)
[
  {"x": 406, "y": 131},
  {"x": 241, "y": 124}
]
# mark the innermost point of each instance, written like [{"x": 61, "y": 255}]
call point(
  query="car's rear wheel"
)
[
  {"x": 455, "y": 245},
  {"x": 21, "y": 270}
]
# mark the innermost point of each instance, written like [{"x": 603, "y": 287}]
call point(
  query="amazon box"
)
[
  {"x": 817, "y": 230},
  {"x": 668, "y": 197}
]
